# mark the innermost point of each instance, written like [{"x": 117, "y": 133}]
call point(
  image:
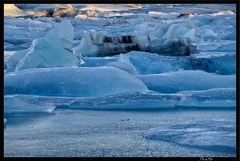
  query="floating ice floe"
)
[
  {"x": 53, "y": 50},
  {"x": 219, "y": 98},
  {"x": 14, "y": 104},
  {"x": 210, "y": 98},
  {"x": 214, "y": 135},
  {"x": 70, "y": 81},
  {"x": 172, "y": 82},
  {"x": 121, "y": 101},
  {"x": 218, "y": 47}
]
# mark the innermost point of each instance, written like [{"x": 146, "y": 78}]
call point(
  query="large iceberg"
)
[
  {"x": 71, "y": 81},
  {"x": 172, "y": 82},
  {"x": 97, "y": 44},
  {"x": 53, "y": 50},
  {"x": 215, "y": 135}
]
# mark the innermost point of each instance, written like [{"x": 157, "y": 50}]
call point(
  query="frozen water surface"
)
[
  {"x": 87, "y": 133},
  {"x": 143, "y": 80}
]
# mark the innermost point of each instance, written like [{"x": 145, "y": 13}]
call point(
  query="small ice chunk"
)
[{"x": 123, "y": 63}]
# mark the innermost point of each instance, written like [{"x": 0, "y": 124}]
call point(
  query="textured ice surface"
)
[
  {"x": 70, "y": 81},
  {"x": 215, "y": 135},
  {"x": 128, "y": 101},
  {"x": 54, "y": 50},
  {"x": 172, "y": 82},
  {"x": 211, "y": 98},
  {"x": 13, "y": 104},
  {"x": 219, "y": 98}
]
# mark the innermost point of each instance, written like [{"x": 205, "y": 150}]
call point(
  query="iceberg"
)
[
  {"x": 14, "y": 59},
  {"x": 172, "y": 46},
  {"x": 147, "y": 63},
  {"x": 67, "y": 10},
  {"x": 175, "y": 30},
  {"x": 53, "y": 50},
  {"x": 123, "y": 63},
  {"x": 71, "y": 81},
  {"x": 172, "y": 82},
  {"x": 13, "y": 11},
  {"x": 214, "y": 135},
  {"x": 96, "y": 44}
]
